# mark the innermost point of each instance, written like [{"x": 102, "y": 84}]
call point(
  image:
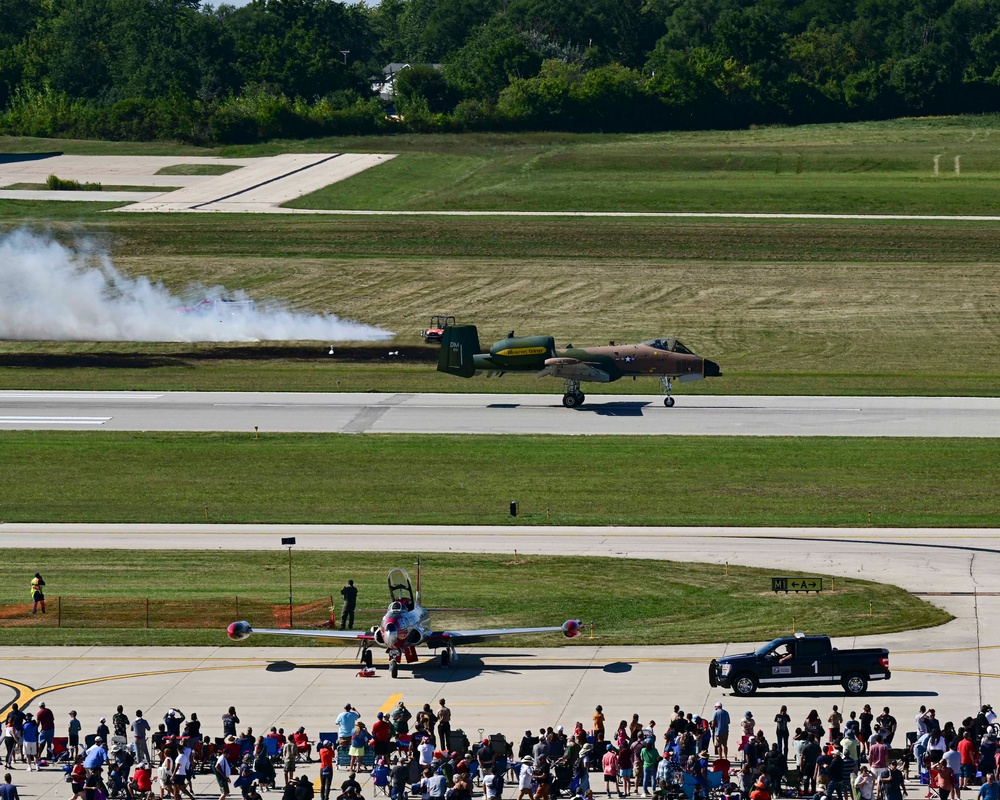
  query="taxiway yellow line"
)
[{"x": 390, "y": 704}]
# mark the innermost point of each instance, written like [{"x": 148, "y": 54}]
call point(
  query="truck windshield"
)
[{"x": 767, "y": 648}]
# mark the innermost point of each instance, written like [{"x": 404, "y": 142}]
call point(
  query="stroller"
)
[{"x": 562, "y": 777}]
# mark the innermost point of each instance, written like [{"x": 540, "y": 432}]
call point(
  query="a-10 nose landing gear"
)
[
  {"x": 572, "y": 396},
  {"x": 668, "y": 401}
]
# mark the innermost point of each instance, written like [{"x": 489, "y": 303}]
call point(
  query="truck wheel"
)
[
  {"x": 744, "y": 684},
  {"x": 855, "y": 684},
  {"x": 713, "y": 673}
]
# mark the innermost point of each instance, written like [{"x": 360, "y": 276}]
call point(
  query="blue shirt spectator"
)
[
  {"x": 30, "y": 731},
  {"x": 95, "y": 757},
  {"x": 346, "y": 721}
]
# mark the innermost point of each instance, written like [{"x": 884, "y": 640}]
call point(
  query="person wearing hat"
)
[
  {"x": 381, "y": 736},
  {"x": 46, "y": 730},
  {"x": 327, "y": 757},
  {"x": 720, "y": 730},
  {"x": 96, "y": 756},
  {"x": 359, "y": 744},
  {"x": 102, "y": 729},
  {"x": 609, "y": 765},
  {"x": 73, "y": 733},
  {"x": 524, "y": 778},
  {"x": 222, "y": 772},
  {"x": 29, "y": 741}
]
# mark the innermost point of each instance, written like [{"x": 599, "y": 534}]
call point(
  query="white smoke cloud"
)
[{"x": 51, "y": 292}]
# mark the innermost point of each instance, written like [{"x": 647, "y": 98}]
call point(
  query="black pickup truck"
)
[{"x": 800, "y": 660}]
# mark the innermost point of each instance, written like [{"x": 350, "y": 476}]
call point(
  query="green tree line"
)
[{"x": 176, "y": 69}]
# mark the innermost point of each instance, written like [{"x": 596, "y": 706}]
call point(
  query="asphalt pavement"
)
[{"x": 501, "y": 413}]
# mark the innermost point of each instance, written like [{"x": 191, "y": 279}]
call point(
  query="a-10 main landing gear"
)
[
  {"x": 668, "y": 401},
  {"x": 572, "y": 396}
]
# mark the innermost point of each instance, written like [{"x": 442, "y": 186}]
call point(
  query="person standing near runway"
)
[
  {"x": 350, "y": 595},
  {"x": 781, "y": 720},
  {"x": 46, "y": 730},
  {"x": 140, "y": 732},
  {"x": 37, "y": 596},
  {"x": 444, "y": 726}
]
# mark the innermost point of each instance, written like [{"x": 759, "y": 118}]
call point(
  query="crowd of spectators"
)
[{"x": 861, "y": 757}]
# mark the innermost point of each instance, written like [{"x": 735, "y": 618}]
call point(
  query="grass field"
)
[
  {"x": 824, "y": 307},
  {"x": 370, "y": 478},
  {"x": 668, "y": 602}
]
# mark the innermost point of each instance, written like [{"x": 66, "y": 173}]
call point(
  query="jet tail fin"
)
[{"x": 459, "y": 347}]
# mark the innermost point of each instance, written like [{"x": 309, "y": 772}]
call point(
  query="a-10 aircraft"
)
[
  {"x": 664, "y": 358},
  {"x": 405, "y": 625}
]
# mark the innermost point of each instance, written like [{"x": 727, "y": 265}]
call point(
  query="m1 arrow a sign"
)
[{"x": 800, "y": 584}]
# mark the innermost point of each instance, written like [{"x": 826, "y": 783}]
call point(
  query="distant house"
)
[{"x": 385, "y": 84}]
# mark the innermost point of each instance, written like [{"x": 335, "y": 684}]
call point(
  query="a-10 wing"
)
[{"x": 570, "y": 629}]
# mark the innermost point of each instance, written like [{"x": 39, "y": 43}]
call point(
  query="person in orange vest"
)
[{"x": 37, "y": 596}]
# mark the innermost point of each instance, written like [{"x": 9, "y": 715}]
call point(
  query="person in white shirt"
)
[
  {"x": 426, "y": 753},
  {"x": 524, "y": 779},
  {"x": 222, "y": 773},
  {"x": 865, "y": 784}
]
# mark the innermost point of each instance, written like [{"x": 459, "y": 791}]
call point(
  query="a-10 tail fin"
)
[{"x": 459, "y": 347}]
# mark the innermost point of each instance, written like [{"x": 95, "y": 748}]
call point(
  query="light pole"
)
[{"x": 288, "y": 542}]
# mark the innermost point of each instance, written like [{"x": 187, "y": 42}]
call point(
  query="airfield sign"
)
[{"x": 799, "y": 584}]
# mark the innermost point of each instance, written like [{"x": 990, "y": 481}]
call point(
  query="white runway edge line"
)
[{"x": 53, "y": 420}]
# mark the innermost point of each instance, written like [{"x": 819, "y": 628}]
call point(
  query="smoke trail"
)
[{"x": 50, "y": 292}]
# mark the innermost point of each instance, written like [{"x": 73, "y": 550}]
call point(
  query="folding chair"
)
[
  {"x": 380, "y": 779},
  {"x": 271, "y": 748},
  {"x": 60, "y": 749}
]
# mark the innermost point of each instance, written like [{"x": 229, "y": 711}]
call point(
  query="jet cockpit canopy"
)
[
  {"x": 400, "y": 588},
  {"x": 669, "y": 344}
]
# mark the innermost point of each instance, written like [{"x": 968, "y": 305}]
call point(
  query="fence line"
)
[{"x": 150, "y": 612}]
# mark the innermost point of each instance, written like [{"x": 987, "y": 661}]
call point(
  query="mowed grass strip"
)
[
  {"x": 382, "y": 478},
  {"x": 629, "y": 601}
]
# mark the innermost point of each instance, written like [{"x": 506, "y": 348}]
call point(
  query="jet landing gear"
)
[
  {"x": 393, "y": 666},
  {"x": 668, "y": 401},
  {"x": 572, "y": 396},
  {"x": 366, "y": 657},
  {"x": 447, "y": 656}
]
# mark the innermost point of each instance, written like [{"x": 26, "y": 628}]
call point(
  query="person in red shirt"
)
[
  {"x": 967, "y": 750},
  {"x": 143, "y": 778},
  {"x": 302, "y": 742},
  {"x": 382, "y": 736},
  {"x": 327, "y": 755},
  {"x": 46, "y": 730}
]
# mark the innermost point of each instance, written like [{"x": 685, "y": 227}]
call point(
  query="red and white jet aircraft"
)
[{"x": 405, "y": 625}]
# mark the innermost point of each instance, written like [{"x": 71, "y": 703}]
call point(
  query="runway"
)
[
  {"x": 501, "y": 414},
  {"x": 953, "y": 668}
]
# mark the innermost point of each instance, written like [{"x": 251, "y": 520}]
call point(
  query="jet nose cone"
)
[{"x": 712, "y": 369}]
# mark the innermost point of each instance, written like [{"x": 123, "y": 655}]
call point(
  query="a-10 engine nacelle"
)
[{"x": 522, "y": 352}]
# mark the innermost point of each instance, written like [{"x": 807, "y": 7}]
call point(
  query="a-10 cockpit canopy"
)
[{"x": 669, "y": 344}]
